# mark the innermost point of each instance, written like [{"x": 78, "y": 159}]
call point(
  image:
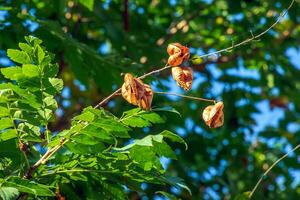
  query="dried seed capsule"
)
[
  {"x": 213, "y": 115},
  {"x": 129, "y": 89},
  {"x": 183, "y": 76},
  {"x": 174, "y": 48},
  {"x": 178, "y": 54},
  {"x": 136, "y": 92},
  {"x": 146, "y": 99},
  {"x": 175, "y": 60}
]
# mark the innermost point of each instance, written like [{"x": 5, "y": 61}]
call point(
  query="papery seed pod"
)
[
  {"x": 213, "y": 115},
  {"x": 183, "y": 76},
  {"x": 175, "y": 60},
  {"x": 129, "y": 89},
  {"x": 178, "y": 54},
  {"x": 174, "y": 48},
  {"x": 136, "y": 92},
  {"x": 146, "y": 99}
]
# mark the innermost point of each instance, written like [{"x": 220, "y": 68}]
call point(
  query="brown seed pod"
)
[
  {"x": 183, "y": 76},
  {"x": 136, "y": 92},
  {"x": 178, "y": 53},
  {"x": 213, "y": 115},
  {"x": 146, "y": 98}
]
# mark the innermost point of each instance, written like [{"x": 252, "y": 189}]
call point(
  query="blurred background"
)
[{"x": 259, "y": 83}]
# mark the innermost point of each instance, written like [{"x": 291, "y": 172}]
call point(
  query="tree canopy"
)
[{"x": 68, "y": 132}]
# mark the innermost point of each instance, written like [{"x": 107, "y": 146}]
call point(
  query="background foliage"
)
[{"x": 94, "y": 42}]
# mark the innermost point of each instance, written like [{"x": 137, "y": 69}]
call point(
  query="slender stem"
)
[
  {"x": 246, "y": 41},
  {"x": 51, "y": 151},
  {"x": 254, "y": 37},
  {"x": 270, "y": 168},
  {"x": 108, "y": 98},
  {"x": 115, "y": 93},
  {"x": 186, "y": 96},
  {"x": 155, "y": 71}
]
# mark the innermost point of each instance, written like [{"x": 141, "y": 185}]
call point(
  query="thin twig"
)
[
  {"x": 186, "y": 96},
  {"x": 51, "y": 151},
  {"x": 107, "y": 98},
  {"x": 253, "y": 37},
  {"x": 268, "y": 170},
  {"x": 115, "y": 93}
]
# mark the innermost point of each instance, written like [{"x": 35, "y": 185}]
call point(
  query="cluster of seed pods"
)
[{"x": 135, "y": 92}]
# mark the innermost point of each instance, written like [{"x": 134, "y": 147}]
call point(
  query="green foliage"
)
[
  {"x": 26, "y": 186},
  {"x": 87, "y": 3},
  {"x": 29, "y": 103},
  {"x": 140, "y": 118},
  {"x": 243, "y": 196},
  {"x": 90, "y": 146},
  {"x": 7, "y": 193},
  {"x": 258, "y": 83}
]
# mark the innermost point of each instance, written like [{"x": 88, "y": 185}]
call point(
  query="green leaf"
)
[
  {"x": 12, "y": 73},
  {"x": 50, "y": 70},
  {"x": 56, "y": 83},
  {"x": 140, "y": 118},
  {"x": 243, "y": 196},
  {"x": 177, "y": 182},
  {"x": 167, "y": 109},
  {"x": 144, "y": 156},
  {"x": 25, "y": 47},
  {"x": 87, "y": 3},
  {"x": 28, "y": 186},
  {"x": 112, "y": 126},
  {"x": 4, "y": 112},
  {"x": 97, "y": 132},
  {"x": 50, "y": 103},
  {"x": 152, "y": 117},
  {"x": 86, "y": 116},
  {"x": 136, "y": 122},
  {"x": 8, "y": 193},
  {"x": 30, "y": 70},
  {"x": 163, "y": 149},
  {"x": 146, "y": 141},
  {"x": 85, "y": 139},
  {"x": 7, "y": 135},
  {"x": 40, "y": 54},
  {"x": 81, "y": 149},
  {"x": 5, "y": 123},
  {"x": 167, "y": 195},
  {"x": 33, "y": 40},
  {"x": 18, "y": 56},
  {"x": 115, "y": 191},
  {"x": 173, "y": 137},
  {"x": 30, "y": 132}
]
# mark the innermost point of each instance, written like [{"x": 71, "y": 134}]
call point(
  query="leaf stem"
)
[
  {"x": 186, "y": 96},
  {"x": 270, "y": 168}
]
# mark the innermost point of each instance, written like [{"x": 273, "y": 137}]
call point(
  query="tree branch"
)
[
  {"x": 54, "y": 149},
  {"x": 268, "y": 170}
]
